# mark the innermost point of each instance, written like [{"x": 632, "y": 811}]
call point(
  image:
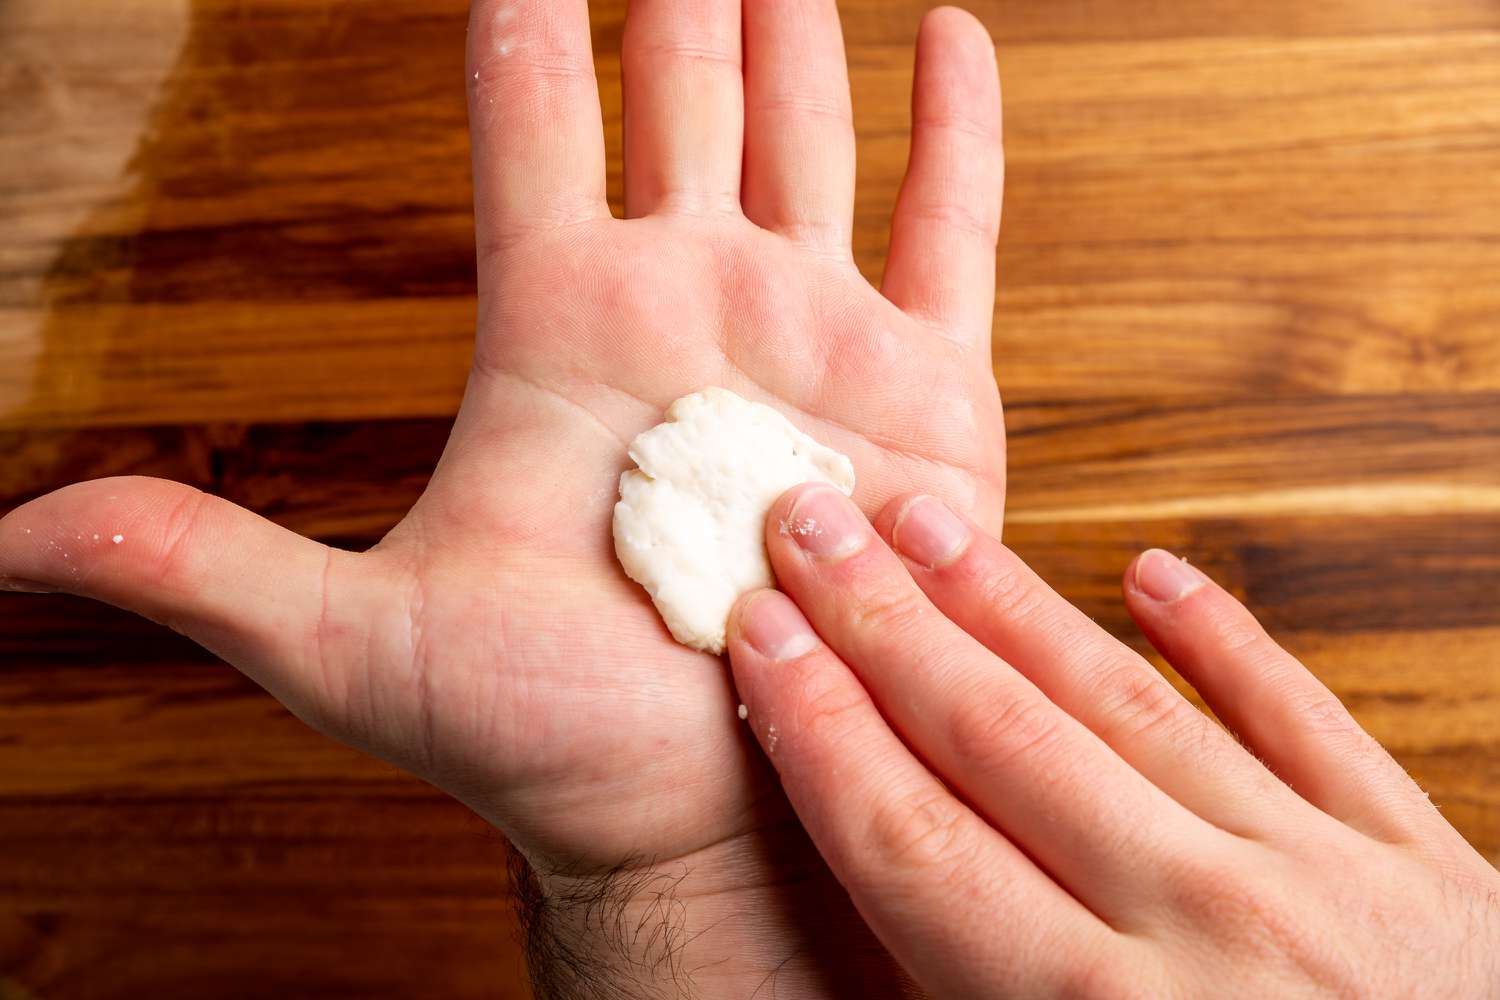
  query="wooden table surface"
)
[{"x": 1249, "y": 309}]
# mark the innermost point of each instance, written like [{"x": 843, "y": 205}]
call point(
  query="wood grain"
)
[{"x": 1248, "y": 310}]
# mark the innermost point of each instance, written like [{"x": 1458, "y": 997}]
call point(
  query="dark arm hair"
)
[{"x": 615, "y": 934}]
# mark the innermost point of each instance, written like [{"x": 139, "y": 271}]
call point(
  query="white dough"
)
[{"x": 689, "y": 526}]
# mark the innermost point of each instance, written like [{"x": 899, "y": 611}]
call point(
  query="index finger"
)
[
  {"x": 534, "y": 117},
  {"x": 928, "y": 875}
]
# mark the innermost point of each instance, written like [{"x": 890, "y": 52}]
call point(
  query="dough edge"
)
[{"x": 693, "y": 534}]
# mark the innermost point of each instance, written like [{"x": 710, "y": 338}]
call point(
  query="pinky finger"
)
[
  {"x": 1273, "y": 702},
  {"x": 916, "y": 861}
]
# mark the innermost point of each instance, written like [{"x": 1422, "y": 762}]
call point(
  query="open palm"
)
[{"x": 491, "y": 643}]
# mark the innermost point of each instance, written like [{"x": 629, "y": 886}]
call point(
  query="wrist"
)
[{"x": 757, "y": 915}]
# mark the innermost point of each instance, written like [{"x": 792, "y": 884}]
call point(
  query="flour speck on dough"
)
[{"x": 690, "y": 522}]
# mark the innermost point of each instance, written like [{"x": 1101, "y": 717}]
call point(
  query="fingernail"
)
[
  {"x": 23, "y": 586},
  {"x": 772, "y": 624},
  {"x": 1163, "y": 577},
  {"x": 826, "y": 524},
  {"x": 929, "y": 533}
]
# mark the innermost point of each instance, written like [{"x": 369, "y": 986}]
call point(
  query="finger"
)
[
  {"x": 799, "y": 124},
  {"x": 534, "y": 116},
  {"x": 1096, "y": 825},
  {"x": 280, "y": 607},
  {"x": 684, "y": 106},
  {"x": 986, "y": 590},
  {"x": 941, "y": 267},
  {"x": 1272, "y": 701},
  {"x": 898, "y": 840}
]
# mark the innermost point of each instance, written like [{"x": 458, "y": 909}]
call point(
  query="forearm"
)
[{"x": 709, "y": 926}]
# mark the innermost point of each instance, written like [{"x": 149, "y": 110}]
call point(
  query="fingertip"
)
[
  {"x": 956, "y": 41},
  {"x": 743, "y": 659},
  {"x": 957, "y": 64},
  {"x": 956, "y": 26},
  {"x": 768, "y": 624},
  {"x": 69, "y": 538},
  {"x": 773, "y": 652},
  {"x": 1158, "y": 577},
  {"x": 1128, "y": 581},
  {"x": 734, "y": 628},
  {"x": 819, "y": 520},
  {"x": 781, "y": 511},
  {"x": 251, "y": 591},
  {"x": 890, "y": 515}
]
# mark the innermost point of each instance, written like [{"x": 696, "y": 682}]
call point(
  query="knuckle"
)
[
  {"x": 959, "y": 218},
  {"x": 1140, "y": 703},
  {"x": 1250, "y": 919},
  {"x": 535, "y": 64},
  {"x": 826, "y": 714},
  {"x": 558, "y": 218},
  {"x": 173, "y": 565},
  {"x": 1142, "y": 708},
  {"x": 1235, "y": 631},
  {"x": 1318, "y": 713},
  {"x": 993, "y": 732},
  {"x": 956, "y": 123},
  {"x": 1239, "y": 905},
  {"x": 1220, "y": 892},
  {"x": 810, "y": 103},
  {"x": 1322, "y": 714},
  {"x": 1007, "y": 592},
  {"x": 895, "y": 610},
  {"x": 927, "y": 834},
  {"x": 701, "y": 51},
  {"x": 1104, "y": 975}
]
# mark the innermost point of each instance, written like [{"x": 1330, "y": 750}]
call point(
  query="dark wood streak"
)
[
  {"x": 1329, "y": 573},
  {"x": 259, "y": 260}
]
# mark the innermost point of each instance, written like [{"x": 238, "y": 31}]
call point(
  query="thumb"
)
[{"x": 274, "y": 604}]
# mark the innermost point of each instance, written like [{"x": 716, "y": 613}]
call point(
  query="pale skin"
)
[
  {"x": 490, "y": 643},
  {"x": 1020, "y": 805}
]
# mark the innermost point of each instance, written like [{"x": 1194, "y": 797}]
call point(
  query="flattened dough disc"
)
[{"x": 690, "y": 520}]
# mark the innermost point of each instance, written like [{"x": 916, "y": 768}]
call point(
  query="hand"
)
[
  {"x": 1021, "y": 806},
  {"x": 491, "y": 643}
]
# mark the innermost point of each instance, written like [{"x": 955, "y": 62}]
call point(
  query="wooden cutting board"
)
[{"x": 1249, "y": 309}]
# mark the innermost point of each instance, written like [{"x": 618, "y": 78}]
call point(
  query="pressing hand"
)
[{"x": 1021, "y": 806}]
